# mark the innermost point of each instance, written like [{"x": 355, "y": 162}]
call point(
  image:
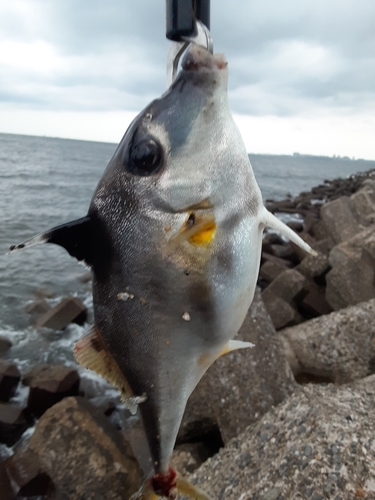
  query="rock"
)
[
  {"x": 83, "y": 454},
  {"x": 266, "y": 257},
  {"x": 9, "y": 378},
  {"x": 199, "y": 420},
  {"x": 5, "y": 345},
  {"x": 339, "y": 219},
  {"x": 339, "y": 346},
  {"x": 37, "y": 307},
  {"x": 299, "y": 251},
  {"x": 44, "y": 293},
  {"x": 285, "y": 251},
  {"x": 324, "y": 246},
  {"x": 295, "y": 225},
  {"x": 314, "y": 304},
  {"x": 25, "y": 470},
  {"x": 352, "y": 278},
  {"x": 69, "y": 310},
  {"x": 340, "y": 293},
  {"x": 186, "y": 458},
  {"x": 362, "y": 204},
  {"x": 286, "y": 206},
  {"x": 13, "y": 423},
  {"x": 282, "y": 313},
  {"x": 288, "y": 285},
  {"x": 314, "y": 267},
  {"x": 85, "y": 278},
  {"x": 320, "y": 232},
  {"x": 271, "y": 270},
  {"x": 310, "y": 222},
  {"x": 5, "y": 487},
  {"x": 244, "y": 384},
  {"x": 270, "y": 239},
  {"x": 317, "y": 444},
  {"x": 49, "y": 384}
]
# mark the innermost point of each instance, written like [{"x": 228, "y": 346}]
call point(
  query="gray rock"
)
[
  {"x": 242, "y": 385},
  {"x": 25, "y": 470},
  {"x": 5, "y": 345},
  {"x": 314, "y": 266},
  {"x": 186, "y": 458},
  {"x": 288, "y": 285},
  {"x": 69, "y": 310},
  {"x": 13, "y": 423},
  {"x": 85, "y": 278},
  {"x": 314, "y": 304},
  {"x": 9, "y": 378},
  {"x": 338, "y": 431},
  {"x": 324, "y": 246},
  {"x": 362, "y": 204},
  {"x": 270, "y": 270},
  {"x": 199, "y": 419},
  {"x": 282, "y": 313},
  {"x": 49, "y": 384},
  {"x": 339, "y": 219},
  {"x": 44, "y": 293},
  {"x": 351, "y": 279},
  {"x": 339, "y": 346},
  {"x": 5, "y": 486},
  {"x": 83, "y": 454},
  {"x": 38, "y": 306},
  {"x": 321, "y": 232},
  {"x": 266, "y": 257}
]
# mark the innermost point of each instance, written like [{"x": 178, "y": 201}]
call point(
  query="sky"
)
[{"x": 301, "y": 72}]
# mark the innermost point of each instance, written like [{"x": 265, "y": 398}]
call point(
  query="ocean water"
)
[{"x": 47, "y": 181}]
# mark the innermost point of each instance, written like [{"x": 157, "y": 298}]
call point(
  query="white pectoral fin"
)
[
  {"x": 270, "y": 220},
  {"x": 233, "y": 345}
]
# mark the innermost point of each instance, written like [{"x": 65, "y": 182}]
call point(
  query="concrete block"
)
[
  {"x": 69, "y": 310},
  {"x": 282, "y": 313},
  {"x": 339, "y": 219},
  {"x": 9, "y": 378}
]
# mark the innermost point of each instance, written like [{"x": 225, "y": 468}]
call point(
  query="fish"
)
[{"x": 173, "y": 235}]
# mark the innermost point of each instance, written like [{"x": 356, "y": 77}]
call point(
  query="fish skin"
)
[
  {"x": 157, "y": 350},
  {"x": 175, "y": 254}
]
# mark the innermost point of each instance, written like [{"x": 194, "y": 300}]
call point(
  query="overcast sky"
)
[{"x": 302, "y": 72}]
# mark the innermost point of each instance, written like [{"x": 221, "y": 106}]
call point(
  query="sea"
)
[{"x": 47, "y": 181}]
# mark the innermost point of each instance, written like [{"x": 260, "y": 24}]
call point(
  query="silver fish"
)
[{"x": 173, "y": 235}]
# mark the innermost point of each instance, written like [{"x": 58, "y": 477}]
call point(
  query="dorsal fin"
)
[{"x": 75, "y": 236}]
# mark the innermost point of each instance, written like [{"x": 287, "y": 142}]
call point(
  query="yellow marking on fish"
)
[
  {"x": 206, "y": 360},
  {"x": 225, "y": 350},
  {"x": 205, "y": 235},
  {"x": 198, "y": 230}
]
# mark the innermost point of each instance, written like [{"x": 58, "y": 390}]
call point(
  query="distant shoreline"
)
[{"x": 273, "y": 155}]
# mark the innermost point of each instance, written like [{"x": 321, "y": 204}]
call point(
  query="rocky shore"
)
[{"x": 291, "y": 418}]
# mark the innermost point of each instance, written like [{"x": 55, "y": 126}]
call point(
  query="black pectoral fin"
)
[{"x": 74, "y": 236}]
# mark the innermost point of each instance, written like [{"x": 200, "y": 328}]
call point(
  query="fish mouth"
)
[{"x": 198, "y": 58}]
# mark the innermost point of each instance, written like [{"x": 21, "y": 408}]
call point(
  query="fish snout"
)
[{"x": 198, "y": 57}]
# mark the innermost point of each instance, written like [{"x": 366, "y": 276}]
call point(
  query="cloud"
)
[{"x": 286, "y": 59}]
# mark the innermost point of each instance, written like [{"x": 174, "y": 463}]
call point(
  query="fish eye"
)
[{"x": 145, "y": 157}]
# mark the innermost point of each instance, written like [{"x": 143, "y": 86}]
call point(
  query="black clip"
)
[{"x": 182, "y": 16}]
